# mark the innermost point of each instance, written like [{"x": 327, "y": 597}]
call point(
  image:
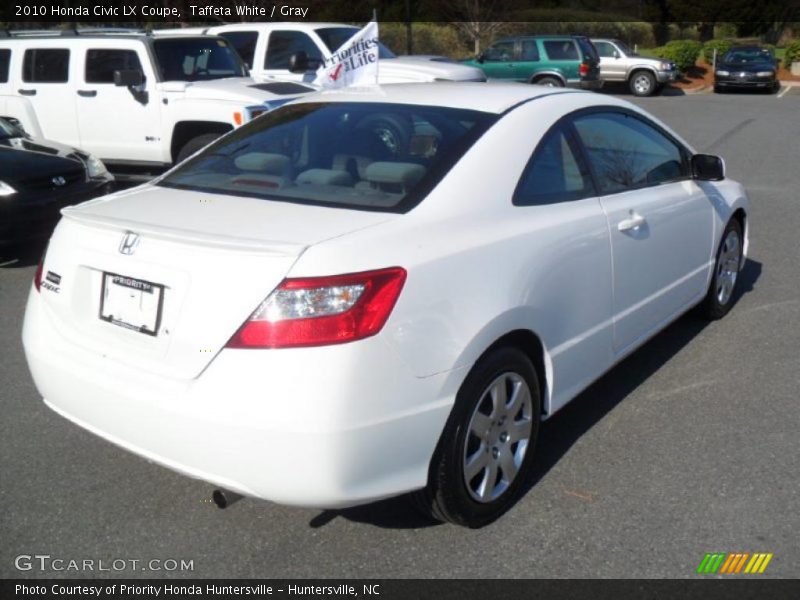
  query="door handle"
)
[
  {"x": 27, "y": 92},
  {"x": 634, "y": 222},
  {"x": 87, "y": 93}
]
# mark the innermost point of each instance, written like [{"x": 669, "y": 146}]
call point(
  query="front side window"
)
[
  {"x": 195, "y": 59},
  {"x": 45, "y": 65},
  {"x": 530, "y": 51},
  {"x": 627, "y": 153},
  {"x": 5, "y": 59},
  {"x": 283, "y": 44},
  {"x": 244, "y": 42},
  {"x": 101, "y": 64},
  {"x": 561, "y": 50},
  {"x": 554, "y": 174},
  {"x": 605, "y": 49},
  {"x": 368, "y": 156},
  {"x": 500, "y": 52}
]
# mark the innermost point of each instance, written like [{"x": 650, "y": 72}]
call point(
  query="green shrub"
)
[
  {"x": 428, "y": 38},
  {"x": 683, "y": 53},
  {"x": 792, "y": 54},
  {"x": 722, "y": 46}
]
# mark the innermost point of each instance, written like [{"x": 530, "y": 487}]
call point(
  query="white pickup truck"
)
[
  {"x": 271, "y": 49},
  {"x": 138, "y": 102}
]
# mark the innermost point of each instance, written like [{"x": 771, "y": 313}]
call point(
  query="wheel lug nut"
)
[{"x": 495, "y": 453}]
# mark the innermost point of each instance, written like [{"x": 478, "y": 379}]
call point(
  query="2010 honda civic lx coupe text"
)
[{"x": 367, "y": 293}]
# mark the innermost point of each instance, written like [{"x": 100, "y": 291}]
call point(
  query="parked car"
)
[
  {"x": 747, "y": 67},
  {"x": 271, "y": 49},
  {"x": 644, "y": 76},
  {"x": 138, "y": 102},
  {"x": 37, "y": 179},
  {"x": 362, "y": 294},
  {"x": 555, "y": 61}
]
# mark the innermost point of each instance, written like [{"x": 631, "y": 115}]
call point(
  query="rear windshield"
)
[
  {"x": 367, "y": 156},
  {"x": 745, "y": 55},
  {"x": 588, "y": 49},
  {"x": 334, "y": 37},
  {"x": 195, "y": 59}
]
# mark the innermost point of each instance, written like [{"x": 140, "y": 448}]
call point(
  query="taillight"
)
[
  {"x": 319, "y": 311},
  {"x": 583, "y": 70},
  {"x": 37, "y": 278}
]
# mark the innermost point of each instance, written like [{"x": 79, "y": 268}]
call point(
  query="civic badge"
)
[
  {"x": 129, "y": 242},
  {"x": 58, "y": 180}
]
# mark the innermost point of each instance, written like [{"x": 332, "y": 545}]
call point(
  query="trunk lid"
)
[{"x": 205, "y": 260}]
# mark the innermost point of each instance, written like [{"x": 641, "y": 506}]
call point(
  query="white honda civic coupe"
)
[{"x": 368, "y": 293}]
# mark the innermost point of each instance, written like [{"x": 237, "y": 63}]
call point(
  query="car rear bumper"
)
[
  {"x": 586, "y": 84},
  {"x": 320, "y": 427}
]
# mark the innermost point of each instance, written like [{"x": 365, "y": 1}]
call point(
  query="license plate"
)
[{"x": 131, "y": 303}]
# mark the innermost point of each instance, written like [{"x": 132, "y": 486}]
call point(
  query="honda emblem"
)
[
  {"x": 58, "y": 180},
  {"x": 129, "y": 242}
]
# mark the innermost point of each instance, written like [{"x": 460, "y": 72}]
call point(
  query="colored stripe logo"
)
[{"x": 733, "y": 563}]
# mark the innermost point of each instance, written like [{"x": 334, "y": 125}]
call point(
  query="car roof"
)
[
  {"x": 751, "y": 47},
  {"x": 488, "y": 97}
]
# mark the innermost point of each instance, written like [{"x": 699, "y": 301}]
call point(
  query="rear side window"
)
[
  {"x": 561, "y": 50},
  {"x": 627, "y": 153},
  {"x": 5, "y": 59},
  {"x": 45, "y": 65},
  {"x": 245, "y": 44},
  {"x": 282, "y": 44},
  {"x": 101, "y": 64},
  {"x": 554, "y": 174},
  {"x": 605, "y": 49}
]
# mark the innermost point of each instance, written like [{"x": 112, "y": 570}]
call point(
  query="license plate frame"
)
[{"x": 127, "y": 292}]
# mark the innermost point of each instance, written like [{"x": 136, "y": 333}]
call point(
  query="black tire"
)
[
  {"x": 448, "y": 496},
  {"x": 717, "y": 89},
  {"x": 549, "y": 82},
  {"x": 195, "y": 144},
  {"x": 716, "y": 304},
  {"x": 642, "y": 83}
]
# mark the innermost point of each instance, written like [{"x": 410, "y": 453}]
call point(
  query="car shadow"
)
[
  {"x": 622, "y": 89},
  {"x": 561, "y": 432}
]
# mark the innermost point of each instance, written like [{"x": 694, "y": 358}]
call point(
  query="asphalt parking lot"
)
[{"x": 687, "y": 447}]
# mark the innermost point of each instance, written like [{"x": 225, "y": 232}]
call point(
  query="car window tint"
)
[
  {"x": 588, "y": 49},
  {"x": 604, "y": 49},
  {"x": 627, "y": 153},
  {"x": 245, "y": 44},
  {"x": 561, "y": 50},
  {"x": 101, "y": 64},
  {"x": 530, "y": 51},
  {"x": 45, "y": 65},
  {"x": 5, "y": 59},
  {"x": 282, "y": 44},
  {"x": 371, "y": 156},
  {"x": 500, "y": 52},
  {"x": 553, "y": 174}
]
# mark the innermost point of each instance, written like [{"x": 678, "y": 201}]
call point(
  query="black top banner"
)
[
  {"x": 418, "y": 589},
  {"x": 158, "y": 13}
]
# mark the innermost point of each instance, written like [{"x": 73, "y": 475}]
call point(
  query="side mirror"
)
[
  {"x": 298, "y": 62},
  {"x": 481, "y": 57},
  {"x": 615, "y": 54},
  {"x": 128, "y": 78},
  {"x": 707, "y": 167}
]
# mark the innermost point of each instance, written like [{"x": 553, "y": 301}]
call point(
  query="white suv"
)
[
  {"x": 270, "y": 49},
  {"x": 138, "y": 102}
]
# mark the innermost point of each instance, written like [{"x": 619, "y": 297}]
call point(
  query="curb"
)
[{"x": 698, "y": 90}]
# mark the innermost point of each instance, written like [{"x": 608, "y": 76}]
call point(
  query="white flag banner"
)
[{"x": 355, "y": 63}]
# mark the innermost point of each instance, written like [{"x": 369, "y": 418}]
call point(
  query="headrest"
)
[
  {"x": 405, "y": 174},
  {"x": 263, "y": 162},
  {"x": 325, "y": 177}
]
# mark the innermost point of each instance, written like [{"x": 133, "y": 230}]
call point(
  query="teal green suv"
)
[{"x": 552, "y": 60}]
